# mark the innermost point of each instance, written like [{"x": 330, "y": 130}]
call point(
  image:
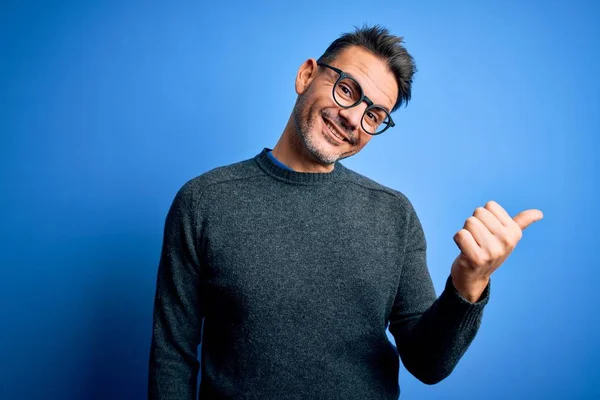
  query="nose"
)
[{"x": 352, "y": 116}]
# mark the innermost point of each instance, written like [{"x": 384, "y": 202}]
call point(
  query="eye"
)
[
  {"x": 346, "y": 90},
  {"x": 373, "y": 117}
]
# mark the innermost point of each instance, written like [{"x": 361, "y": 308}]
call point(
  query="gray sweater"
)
[{"x": 296, "y": 277}]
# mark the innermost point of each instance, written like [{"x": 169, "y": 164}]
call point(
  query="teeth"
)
[{"x": 332, "y": 130}]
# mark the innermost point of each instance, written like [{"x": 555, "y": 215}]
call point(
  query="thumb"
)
[{"x": 527, "y": 217}]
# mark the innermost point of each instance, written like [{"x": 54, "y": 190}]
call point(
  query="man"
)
[{"x": 297, "y": 265}]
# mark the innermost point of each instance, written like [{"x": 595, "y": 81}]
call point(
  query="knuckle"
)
[
  {"x": 479, "y": 211},
  {"x": 472, "y": 220},
  {"x": 496, "y": 253},
  {"x": 489, "y": 256},
  {"x": 480, "y": 262},
  {"x": 460, "y": 234},
  {"x": 506, "y": 237},
  {"x": 490, "y": 204},
  {"x": 514, "y": 232},
  {"x": 518, "y": 233}
]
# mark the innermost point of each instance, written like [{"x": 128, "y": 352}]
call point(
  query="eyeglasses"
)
[{"x": 347, "y": 93}]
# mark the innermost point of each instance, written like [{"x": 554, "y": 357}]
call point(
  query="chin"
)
[
  {"x": 321, "y": 149},
  {"x": 314, "y": 137}
]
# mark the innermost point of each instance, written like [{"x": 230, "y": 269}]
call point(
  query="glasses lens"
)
[
  {"x": 375, "y": 120},
  {"x": 347, "y": 92}
]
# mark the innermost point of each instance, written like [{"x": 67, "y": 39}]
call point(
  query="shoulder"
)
[
  {"x": 193, "y": 189},
  {"x": 375, "y": 189}
]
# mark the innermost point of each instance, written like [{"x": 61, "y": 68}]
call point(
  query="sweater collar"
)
[{"x": 270, "y": 167}]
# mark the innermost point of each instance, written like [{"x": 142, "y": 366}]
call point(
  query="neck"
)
[{"x": 291, "y": 151}]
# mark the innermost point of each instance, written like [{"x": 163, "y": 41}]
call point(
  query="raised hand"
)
[{"x": 486, "y": 240}]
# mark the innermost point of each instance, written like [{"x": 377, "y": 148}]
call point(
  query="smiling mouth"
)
[{"x": 332, "y": 130}]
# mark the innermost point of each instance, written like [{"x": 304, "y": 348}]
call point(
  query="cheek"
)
[
  {"x": 314, "y": 110},
  {"x": 320, "y": 99}
]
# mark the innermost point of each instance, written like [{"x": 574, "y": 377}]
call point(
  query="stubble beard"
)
[{"x": 308, "y": 135}]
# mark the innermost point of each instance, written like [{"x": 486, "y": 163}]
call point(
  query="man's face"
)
[{"x": 318, "y": 117}]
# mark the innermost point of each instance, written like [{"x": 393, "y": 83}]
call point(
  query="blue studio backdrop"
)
[{"x": 107, "y": 108}]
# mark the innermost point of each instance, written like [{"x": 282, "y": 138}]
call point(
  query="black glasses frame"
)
[{"x": 363, "y": 97}]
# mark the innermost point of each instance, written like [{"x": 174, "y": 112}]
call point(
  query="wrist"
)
[{"x": 470, "y": 290}]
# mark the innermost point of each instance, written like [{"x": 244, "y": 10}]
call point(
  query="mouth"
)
[{"x": 334, "y": 132}]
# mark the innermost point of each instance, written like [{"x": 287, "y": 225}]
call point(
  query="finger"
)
[
  {"x": 480, "y": 233},
  {"x": 467, "y": 244},
  {"x": 490, "y": 221},
  {"x": 528, "y": 217},
  {"x": 499, "y": 212}
]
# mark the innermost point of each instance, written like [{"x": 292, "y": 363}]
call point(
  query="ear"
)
[{"x": 306, "y": 74}]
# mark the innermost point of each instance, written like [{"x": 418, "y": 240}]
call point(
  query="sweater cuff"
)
[{"x": 465, "y": 312}]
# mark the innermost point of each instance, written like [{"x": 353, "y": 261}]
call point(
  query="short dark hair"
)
[{"x": 388, "y": 47}]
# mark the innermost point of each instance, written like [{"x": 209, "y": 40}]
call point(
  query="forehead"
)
[{"x": 373, "y": 74}]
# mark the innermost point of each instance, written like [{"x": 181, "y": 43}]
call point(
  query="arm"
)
[
  {"x": 431, "y": 334},
  {"x": 177, "y": 321}
]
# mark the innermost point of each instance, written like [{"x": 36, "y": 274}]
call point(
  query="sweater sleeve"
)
[
  {"x": 177, "y": 318},
  {"x": 431, "y": 334}
]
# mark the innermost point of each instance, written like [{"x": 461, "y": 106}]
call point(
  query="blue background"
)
[{"x": 107, "y": 108}]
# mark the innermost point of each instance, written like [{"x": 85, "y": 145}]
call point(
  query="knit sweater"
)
[{"x": 296, "y": 277}]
